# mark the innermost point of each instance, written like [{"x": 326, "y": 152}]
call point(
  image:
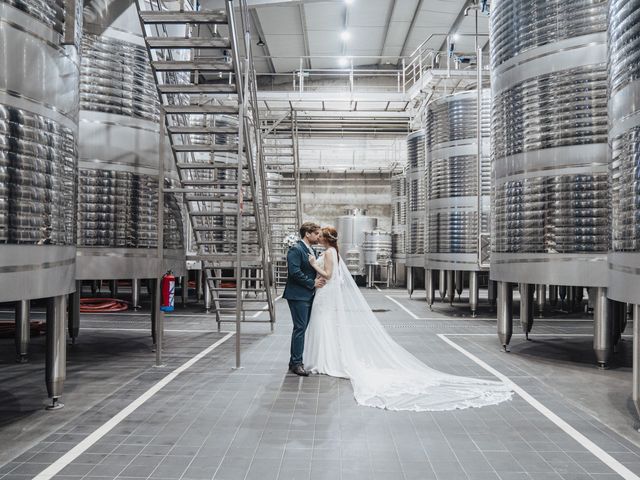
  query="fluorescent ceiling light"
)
[
  {"x": 345, "y": 35},
  {"x": 455, "y": 37},
  {"x": 348, "y": 2},
  {"x": 343, "y": 61}
]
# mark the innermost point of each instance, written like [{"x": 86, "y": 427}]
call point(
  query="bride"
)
[{"x": 345, "y": 339}]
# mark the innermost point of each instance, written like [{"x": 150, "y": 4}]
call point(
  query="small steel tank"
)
[
  {"x": 377, "y": 248},
  {"x": 351, "y": 234},
  {"x": 119, "y": 153},
  {"x": 416, "y": 229}
]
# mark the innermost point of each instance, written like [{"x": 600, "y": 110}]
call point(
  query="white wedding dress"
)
[{"x": 345, "y": 339}]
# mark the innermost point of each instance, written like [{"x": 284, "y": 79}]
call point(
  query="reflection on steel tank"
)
[
  {"x": 38, "y": 151},
  {"x": 549, "y": 127},
  {"x": 399, "y": 217},
  {"x": 624, "y": 138},
  {"x": 415, "y": 239},
  {"x": 455, "y": 189},
  {"x": 351, "y": 232},
  {"x": 119, "y": 153}
]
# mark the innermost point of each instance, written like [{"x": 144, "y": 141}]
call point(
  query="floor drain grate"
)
[{"x": 379, "y": 310}]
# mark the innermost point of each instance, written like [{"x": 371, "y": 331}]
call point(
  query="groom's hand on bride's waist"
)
[{"x": 320, "y": 282}]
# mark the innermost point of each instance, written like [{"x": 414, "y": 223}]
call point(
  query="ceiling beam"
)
[
  {"x": 258, "y": 29},
  {"x": 390, "y": 11},
  {"x": 305, "y": 35},
  {"x": 414, "y": 18}
]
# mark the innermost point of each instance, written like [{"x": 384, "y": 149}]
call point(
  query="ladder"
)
[
  {"x": 280, "y": 153},
  {"x": 209, "y": 105}
]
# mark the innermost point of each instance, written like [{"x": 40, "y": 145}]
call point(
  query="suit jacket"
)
[{"x": 301, "y": 276}]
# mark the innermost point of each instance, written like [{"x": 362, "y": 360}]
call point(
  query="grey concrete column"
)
[
  {"x": 526, "y": 308},
  {"x": 410, "y": 281},
  {"x": 23, "y": 330},
  {"x": 553, "y": 295},
  {"x": 492, "y": 292},
  {"x": 56, "y": 357},
  {"x": 602, "y": 327},
  {"x": 459, "y": 282},
  {"x": 636, "y": 357},
  {"x": 541, "y": 298},
  {"x": 505, "y": 313},
  {"x": 442, "y": 284},
  {"x": 74, "y": 312},
  {"x": 451, "y": 286},
  {"x": 474, "y": 292},
  {"x": 135, "y": 293},
  {"x": 429, "y": 287}
]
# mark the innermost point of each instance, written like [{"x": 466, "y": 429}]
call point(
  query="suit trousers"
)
[{"x": 300, "y": 314}]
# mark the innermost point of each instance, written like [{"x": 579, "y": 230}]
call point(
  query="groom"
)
[{"x": 300, "y": 290}]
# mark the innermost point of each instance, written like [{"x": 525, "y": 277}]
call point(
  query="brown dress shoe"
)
[{"x": 299, "y": 370}]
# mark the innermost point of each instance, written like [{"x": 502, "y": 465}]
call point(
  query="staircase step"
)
[
  {"x": 212, "y": 183},
  {"x": 198, "y": 130},
  {"x": 193, "y": 42},
  {"x": 197, "y": 89},
  {"x": 201, "y": 109},
  {"x": 219, "y": 214},
  {"x": 190, "y": 65},
  {"x": 175, "y": 17},
  {"x": 213, "y": 148}
]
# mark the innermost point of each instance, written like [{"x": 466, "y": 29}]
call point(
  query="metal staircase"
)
[
  {"x": 209, "y": 106},
  {"x": 280, "y": 154}
]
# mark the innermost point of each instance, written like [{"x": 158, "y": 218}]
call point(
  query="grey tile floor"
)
[{"x": 216, "y": 422}]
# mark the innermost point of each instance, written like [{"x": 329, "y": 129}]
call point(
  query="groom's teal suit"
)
[{"x": 299, "y": 292}]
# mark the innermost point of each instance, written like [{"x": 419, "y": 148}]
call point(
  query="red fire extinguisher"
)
[{"x": 167, "y": 288}]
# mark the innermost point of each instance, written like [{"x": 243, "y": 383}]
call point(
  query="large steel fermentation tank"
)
[
  {"x": 624, "y": 139},
  {"x": 416, "y": 229},
  {"x": 458, "y": 187},
  {"x": 38, "y": 162},
  {"x": 549, "y": 153},
  {"x": 119, "y": 154},
  {"x": 399, "y": 225},
  {"x": 351, "y": 232}
]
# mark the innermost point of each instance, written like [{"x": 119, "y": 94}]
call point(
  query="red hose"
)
[{"x": 106, "y": 305}]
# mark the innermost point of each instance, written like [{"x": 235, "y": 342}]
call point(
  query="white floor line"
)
[
  {"x": 598, "y": 452},
  {"x": 148, "y": 330},
  {"x": 105, "y": 428},
  {"x": 265, "y": 308},
  {"x": 531, "y": 335},
  {"x": 413, "y": 315}
]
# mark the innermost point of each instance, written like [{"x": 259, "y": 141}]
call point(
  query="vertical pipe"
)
[
  {"x": 185, "y": 288},
  {"x": 410, "y": 280},
  {"x": 135, "y": 293},
  {"x": 571, "y": 299},
  {"x": 526, "y": 308},
  {"x": 442, "y": 283},
  {"x": 579, "y": 296},
  {"x": 541, "y": 297},
  {"x": 56, "y": 356},
  {"x": 459, "y": 284},
  {"x": 505, "y": 313},
  {"x": 492, "y": 292},
  {"x": 451, "y": 287},
  {"x": 198, "y": 285},
  {"x": 74, "y": 312},
  {"x": 602, "y": 327},
  {"x": 154, "y": 300},
  {"x": 23, "y": 330},
  {"x": 636, "y": 357},
  {"x": 473, "y": 292},
  {"x": 207, "y": 297},
  {"x": 429, "y": 287},
  {"x": 160, "y": 246},
  {"x": 553, "y": 295},
  {"x": 113, "y": 288}
]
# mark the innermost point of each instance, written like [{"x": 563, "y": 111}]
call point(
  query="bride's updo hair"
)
[{"x": 330, "y": 234}]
